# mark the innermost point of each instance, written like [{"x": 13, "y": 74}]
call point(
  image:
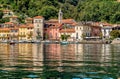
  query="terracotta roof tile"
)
[
  {"x": 11, "y": 23},
  {"x": 54, "y": 25},
  {"x": 67, "y": 21},
  {"x": 38, "y": 17},
  {"x": 15, "y": 28},
  {"x": 67, "y": 30},
  {"x": 4, "y": 29},
  {"x": 27, "y": 26},
  {"x": 23, "y": 26},
  {"x": 30, "y": 25}
]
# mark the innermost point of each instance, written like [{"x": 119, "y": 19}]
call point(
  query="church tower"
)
[
  {"x": 60, "y": 15},
  {"x": 38, "y": 22}
]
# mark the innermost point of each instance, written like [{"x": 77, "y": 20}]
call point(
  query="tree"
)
[
  {"x": 30, "y": 34},
  {"x": 48, "y": 12},
  {"x": 83, "y": 36},
  {"x": 65, "y": 37},
  {"x": 1, "y": 14},
  {"x": 80, "y": 10},
  {"x": 101, "y": 35},
  {"x": 3, "y": 20},
  {"x": 116, "y": 18},
  {"x": 38, "y": 35},
  {"x": 115, "y": 34}
]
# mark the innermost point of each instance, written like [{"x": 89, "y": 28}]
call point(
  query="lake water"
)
[{"x": 55, "y": 61}]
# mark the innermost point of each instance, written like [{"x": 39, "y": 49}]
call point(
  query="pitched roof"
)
[
  {"x": 23, "y": 26},
  {"x": 38, "y": 17},
  {"x": 11, "y": 23},
  {"x": 30, "y": 25},
  {"x": 66, "y": 21},
  {"x": 4, "y": 29},
  {"x": 26, "y": 26},
  {"x": 14, "y": 28},
  {"x": 53, "y": 25},
  {"x": 70, "y": 30}
]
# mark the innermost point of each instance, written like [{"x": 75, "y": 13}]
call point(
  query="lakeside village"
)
[{"x": 38, "y": 29}]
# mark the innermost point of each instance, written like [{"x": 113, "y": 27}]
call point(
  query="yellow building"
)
[
  {"x": 4, "y": 33},
  {"x": 9, "y": 31},
  {"x": 26, "y": 32},
  {"x": 22, "y": 32}
]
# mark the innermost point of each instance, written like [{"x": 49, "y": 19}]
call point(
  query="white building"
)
[
  {"x": 82, "y": 31},
  {"x": 106, "y": 31},
  {"x": 38, "y": 22}
]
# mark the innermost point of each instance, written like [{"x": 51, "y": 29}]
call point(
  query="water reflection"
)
[{"x": 53, "y": 61}]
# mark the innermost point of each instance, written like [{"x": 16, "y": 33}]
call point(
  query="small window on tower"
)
[{"x": 39, "y": 21}]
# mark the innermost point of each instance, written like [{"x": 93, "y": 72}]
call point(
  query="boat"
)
[
  {"x": 64, "y": 42},
  {"x": 12, "y": 42},
  {"x": 4, "y": 41}
]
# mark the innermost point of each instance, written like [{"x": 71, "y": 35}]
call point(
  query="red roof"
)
[
  {"x": 67, "y": 21},
  {"x": 23, "y": 26},
  {"x": 30, "y": 25},
  {"x": 38, "y": 17},
  {"x": 53, "y": 25},
  {"x": 72, "y": 30},
  {"x": 9, "y": 23},
  {"x": 4, "y": 29},
  {"x": 27, "y": 26},
  {"x": 14, "y": 28}
]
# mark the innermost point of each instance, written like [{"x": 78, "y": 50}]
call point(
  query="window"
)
[
  {"x": 35, "y": 21},
  {"x": 56, "y": 35},
  {"x": 40, "y": 21},
  {"x": 37, "y": 25},
  {"x": 80, "y": 28}
]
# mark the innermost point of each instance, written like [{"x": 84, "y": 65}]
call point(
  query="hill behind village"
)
[{"x": 80, "y": 10}]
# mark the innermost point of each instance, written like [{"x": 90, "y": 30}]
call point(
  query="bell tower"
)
[{"x": 60, "y": 15}]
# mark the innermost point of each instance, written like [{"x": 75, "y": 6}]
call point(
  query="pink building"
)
[
  {"x": 95, "y": 30},
  {"x": 51, "y": 30},
  {"x": 54, "y": 27}
]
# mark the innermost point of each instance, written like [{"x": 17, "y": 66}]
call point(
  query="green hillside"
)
[{"x": 80, "y": 10}]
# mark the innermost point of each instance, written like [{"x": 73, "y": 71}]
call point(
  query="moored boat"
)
[
  {"x": 64, "y": 42},
  {"x": 12, "y": 42}
]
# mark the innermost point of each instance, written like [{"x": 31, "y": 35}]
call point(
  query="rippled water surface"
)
[{"x": 55, "y": 61}]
